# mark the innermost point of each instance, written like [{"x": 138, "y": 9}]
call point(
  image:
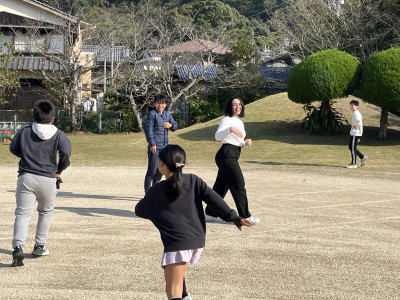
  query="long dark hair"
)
[
  {"x": 174, "y": 157},
  {"x": 228, "y": 107}
]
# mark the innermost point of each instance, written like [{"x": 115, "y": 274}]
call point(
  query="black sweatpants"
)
[
  {"x": 230, "y": 177},
  {"x": 353, "y": 149}
]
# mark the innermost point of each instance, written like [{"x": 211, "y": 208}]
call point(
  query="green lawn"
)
[{"x": 274, "y": 125}]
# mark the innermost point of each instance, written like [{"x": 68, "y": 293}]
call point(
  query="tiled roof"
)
[
  {"x": 34, "y": 63},
  {"x": 49, "y": 7},
  {"x": 275, "y": 74},
  {"x": 196, "y": 46},
  {"x": 120, "y": 52},
  {"x": 208, "y": 73}
]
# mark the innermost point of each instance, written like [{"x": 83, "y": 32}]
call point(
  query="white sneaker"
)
[
  {"x": 188, "y": 297},
  {"x": 40, "y": 250},
  {"x": 253, "y": 220},
  {"x": 351, "y": 166},
  {"x": 214, "y": 219},
  {"x": 364, "y": 160}
]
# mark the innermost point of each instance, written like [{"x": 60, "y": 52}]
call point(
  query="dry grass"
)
[{"x": 274, "y": 124}]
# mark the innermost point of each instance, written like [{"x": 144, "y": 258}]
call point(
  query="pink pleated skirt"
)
[{"x": 189, "y": 256}]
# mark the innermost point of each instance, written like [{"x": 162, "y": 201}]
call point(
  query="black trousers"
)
[
  {"x": 230, "y": 177},
  {"x": 353, "y": 149}
]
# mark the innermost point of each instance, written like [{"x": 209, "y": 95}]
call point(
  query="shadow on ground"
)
[
  {"x": 293, "y": 133},
  {"x": 271, "y": 163},
  {"x": 9, "y": 252},
  {"x": 96, "y": 212},
  {"x": 104, "y": 197}
]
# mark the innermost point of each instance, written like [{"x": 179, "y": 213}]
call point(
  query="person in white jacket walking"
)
[
  {"x": 356, "y": 132},
  {"x": 231, "y": 134}
]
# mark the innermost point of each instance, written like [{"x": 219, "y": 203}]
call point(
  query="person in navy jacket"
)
[{"x": 158, "y": 123}]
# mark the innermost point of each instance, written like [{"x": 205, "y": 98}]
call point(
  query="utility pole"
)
[
  {"x": 112, "y": 64},
  {"x": 336, "y": 4}
]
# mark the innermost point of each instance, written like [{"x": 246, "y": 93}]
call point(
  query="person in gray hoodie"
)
[{"x": 37, "y": 146}]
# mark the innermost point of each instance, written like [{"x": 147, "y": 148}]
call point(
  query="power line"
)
[{"x": 266, "y": 10}]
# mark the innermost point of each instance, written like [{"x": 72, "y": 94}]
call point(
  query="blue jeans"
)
[{"x": 153, "y": 175}]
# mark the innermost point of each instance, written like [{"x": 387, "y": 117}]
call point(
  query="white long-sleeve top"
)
[
  {"x": 356, "y": 120},
  {"x": 225, "y": 136}
]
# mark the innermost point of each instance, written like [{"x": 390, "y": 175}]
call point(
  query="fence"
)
[
  {"x": 14, "y": 120},
  {"x": 95, "y": 122},
  {"x": 105, "y": 122}
]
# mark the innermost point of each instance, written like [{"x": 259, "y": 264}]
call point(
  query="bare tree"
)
[
  {"x": 158, "y": 47},
  {"x": 9, "y": 79},
  {"x": 129, "y": 26},
  {"x": 167, "y": 54},
  {"x": 57, "y": 50},
  {"x": 361, "y": 28},
  {"x": 310, "y": 26},
  {"x": 74, "y": 65},
  {"x": 184, "y": 56},
  {"x": 369, "y": 26}
]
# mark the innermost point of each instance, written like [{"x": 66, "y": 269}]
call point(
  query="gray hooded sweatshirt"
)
[{"x": 37, "y": 145}]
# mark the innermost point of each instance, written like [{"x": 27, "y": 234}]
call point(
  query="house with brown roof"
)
[
  {"x": 193, "y": 52},
  {"x": 47, "y": 42}
]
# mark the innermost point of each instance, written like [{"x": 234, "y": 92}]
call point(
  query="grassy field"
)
[{"x": 274, "y": 124}]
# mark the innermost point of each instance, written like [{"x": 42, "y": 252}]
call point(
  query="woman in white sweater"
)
[{"x": 232, "y": 134}]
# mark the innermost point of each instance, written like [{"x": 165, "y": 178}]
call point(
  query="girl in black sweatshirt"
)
[{"x": 175, "y": 208}]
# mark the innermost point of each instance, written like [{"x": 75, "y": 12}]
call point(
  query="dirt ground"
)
[{"x": 325, "y": 233}]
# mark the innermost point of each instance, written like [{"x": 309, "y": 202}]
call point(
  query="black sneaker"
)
[
  {"x": 18, "y": 257},
  {"x": 40, "y": 250}
]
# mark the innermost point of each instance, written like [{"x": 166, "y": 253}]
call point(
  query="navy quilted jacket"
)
[{"x": 156, "y": 134}]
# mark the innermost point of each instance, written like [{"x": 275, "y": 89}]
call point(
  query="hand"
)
[
  {"x": 244, "y": 222},
  {"x": 357, "y": 127},
  {"x": 167, "y": 125},
  {"x": 359, "y": 140},
  {"x": 248, "y": 142},
  {"x": 58, "y": 174},
  {"x": 236, "y": 131},
  {"x": 153, "y": 149}
]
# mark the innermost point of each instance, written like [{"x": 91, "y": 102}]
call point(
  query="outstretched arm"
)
[
  {"x": 244, "y": 222},
  {"x": 219, "y": 206}
]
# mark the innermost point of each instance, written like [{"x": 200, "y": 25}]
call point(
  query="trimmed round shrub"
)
[
  {"x": 380, "y": 84},
  {"x": 322, "y": 76}
]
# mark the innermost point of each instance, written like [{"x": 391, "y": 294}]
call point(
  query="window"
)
[
  {"x": 28, "y": 44},
  {"x": 4, "y": 41},
  {"x": 55, "y": 44},
  {"x": 52, "y": 44}
]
